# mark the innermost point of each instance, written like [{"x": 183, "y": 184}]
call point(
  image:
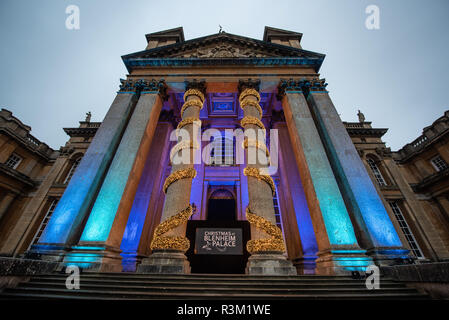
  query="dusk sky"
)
[{"x": 397, "y": 75}]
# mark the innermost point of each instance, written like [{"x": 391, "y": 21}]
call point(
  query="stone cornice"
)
[
  {"x": 373, "y": 132},
  {"x": 131, "y": 63},
  {"x": 32, "y": 145},
  {"x": 431, "y": 180},
  {"x": 81, "y": 132},
  {"x": 16, "y": 175},
  {"x": 431, "y": 134}
]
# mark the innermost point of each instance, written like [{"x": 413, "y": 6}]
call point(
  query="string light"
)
[
  {"x": 179, "y": 174},
  {"x": 273, "y": 244},
  {"x": 180, "y": 243}
]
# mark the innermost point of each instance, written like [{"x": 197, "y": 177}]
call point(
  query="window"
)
[
  {"x": 377, "y": 175},
  {"x": 438, "y": 163},
  {"x": 222, "y": 153},
  {"x": 13, "y": 161},
  {"x": 72, "y": 170},
  {"x": 277, "y": 210},
  {"x": 406, "y": 230},
  {"x": 44, "y": 223}
]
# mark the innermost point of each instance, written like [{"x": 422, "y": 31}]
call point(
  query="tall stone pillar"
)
[
  {"x": 291, "y": 183},
  {"x": 378, "y": 235},
  {"x": 143, "y": 211},
  {"x": 339, "y": 251},
  {"x": 267, "y": 244},
  {"x": 169, "y": 242},
  {"x": 99, "y": 245},
  {"x": 66, "y": 222}
]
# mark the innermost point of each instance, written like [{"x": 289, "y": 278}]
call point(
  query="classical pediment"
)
[{"x": 222, "y": 48}]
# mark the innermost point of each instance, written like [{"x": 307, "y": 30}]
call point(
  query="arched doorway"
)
[{"x": 221, "y": 206}]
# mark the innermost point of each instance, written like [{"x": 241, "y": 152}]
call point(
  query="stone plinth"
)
[
  {"x": 165, "y": 262},
  {"x": 270, "y": 264}
]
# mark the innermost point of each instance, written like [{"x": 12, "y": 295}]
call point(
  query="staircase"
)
[{"x": 206, "y": 286}]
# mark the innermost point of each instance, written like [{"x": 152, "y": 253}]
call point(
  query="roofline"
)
[
  {"x": 130, "y": 61},
  {"x": 261, "y": 42}
]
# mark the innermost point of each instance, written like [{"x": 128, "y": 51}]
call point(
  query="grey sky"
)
[{"x": 397, "y": 75}]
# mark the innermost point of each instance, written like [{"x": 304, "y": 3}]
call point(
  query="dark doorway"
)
[
  {"x": 221, "y": 213},
  {"x": 221, "y": 210}
]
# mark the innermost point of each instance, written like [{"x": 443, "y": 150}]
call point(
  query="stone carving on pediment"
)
[{"x": 223, "y": 51}]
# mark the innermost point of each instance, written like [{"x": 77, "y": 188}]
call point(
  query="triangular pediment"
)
[{"x": 224, "y": 47}]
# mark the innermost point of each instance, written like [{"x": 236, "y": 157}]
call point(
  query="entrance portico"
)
[{"x": 129, "y": 203}]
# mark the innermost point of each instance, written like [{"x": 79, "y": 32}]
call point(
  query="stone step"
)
[
  {"x": 227, "y": 283},
  {"x": 139, "y": 286},
  {"x": 51, "y": 293},
  {"x": 199, "y": 278},
  {"x": 154, "y": 288}
]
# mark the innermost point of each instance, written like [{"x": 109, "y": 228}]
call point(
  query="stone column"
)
[
  {"x": 378, "y": 234},
  {"x": 143, "y": 210},
  {"x": 66, "y": 222},
  {"x": 267, "y": 244},
  {"x": 99, "y": 245},
  {"x": 5, "y": 203},
  {"x": 169, "y": 242},
  {"x": 339, "y": 251},
  {"x": 291, "y": 182}
]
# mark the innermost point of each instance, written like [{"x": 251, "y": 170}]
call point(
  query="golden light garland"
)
[
  {"x": 194, "y": 92},
  {"x": 255, "y": 172},
  {"x": 256, "y": 143},
  {"x": 273, "y": 244},
  {"x": 179, "y": 174},
  {"x": 252, "y": 120},
  {"x": 172, "y": 243},
  {"x": 183, "y": 145},
  {"x": 252, "y": 103},
  {"x": 249, "y": 92},
  {"x": 191, "y": 103},
  {"x": 187, "y": 121}
]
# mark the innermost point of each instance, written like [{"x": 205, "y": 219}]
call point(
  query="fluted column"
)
[
  {"x": 169, "y": 242},
  {"x": 267, "y": 244}
]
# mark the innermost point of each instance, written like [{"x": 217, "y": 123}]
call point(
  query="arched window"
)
[
  {"x": 72, "y": 170},
  {"x": 376, "y": 172}
]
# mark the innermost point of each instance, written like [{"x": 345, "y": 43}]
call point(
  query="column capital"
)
[
  {"x": 197, "y": 85},
  {"x": 300, "y": 86},
  {"x": 248, "y": 84},
  {"x": 144, "y": 86},
  {"x": 317, "y": 85},
  {"x": 152, "y": 86}
]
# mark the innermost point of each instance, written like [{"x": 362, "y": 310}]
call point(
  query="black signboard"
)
[
  {"x": 232, "y": 260},
  {"x": 218, "y": 241}
]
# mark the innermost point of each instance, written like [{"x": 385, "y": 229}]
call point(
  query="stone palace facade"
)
[{"x": 115, "y": 198}]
